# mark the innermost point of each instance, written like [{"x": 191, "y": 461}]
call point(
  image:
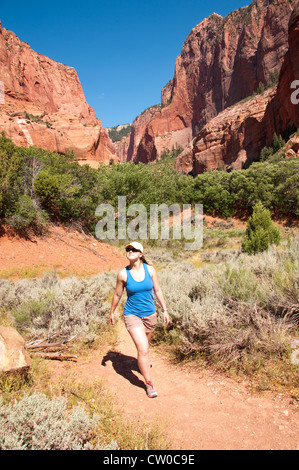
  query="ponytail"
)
[{"x": 143, "y": 259}]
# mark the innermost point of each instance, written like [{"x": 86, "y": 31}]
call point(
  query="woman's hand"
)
[
  {"x": 111, "y": 319},
  {"x": 166, "y": 317}
]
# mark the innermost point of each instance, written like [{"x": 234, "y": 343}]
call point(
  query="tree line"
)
[{"x": 38, "y": 187}]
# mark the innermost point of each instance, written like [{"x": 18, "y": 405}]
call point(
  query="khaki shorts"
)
[{"x": 149, "y": 322}]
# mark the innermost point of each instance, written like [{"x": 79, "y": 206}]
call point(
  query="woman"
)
[{"x": 140, "y": 279}]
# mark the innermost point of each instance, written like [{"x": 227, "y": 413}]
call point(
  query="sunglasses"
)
[{"x": 132, "y": 249}]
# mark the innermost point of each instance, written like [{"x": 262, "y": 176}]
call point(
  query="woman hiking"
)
[{"x": 140, "y": 279}]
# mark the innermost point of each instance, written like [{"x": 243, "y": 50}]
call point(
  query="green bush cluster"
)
[
  {"x": 38, "y": 186},
  {"x": 269, "y": 152},
  {"x": 37, "y": 119}
]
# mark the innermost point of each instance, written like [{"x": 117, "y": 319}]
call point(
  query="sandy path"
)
[{"x": 202, "y": 410}]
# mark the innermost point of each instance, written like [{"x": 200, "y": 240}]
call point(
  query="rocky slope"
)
[
  {"x": 223, "y": 61},
  {"x": 230, "y": 140},
  {"x": 44, "y": 104}
]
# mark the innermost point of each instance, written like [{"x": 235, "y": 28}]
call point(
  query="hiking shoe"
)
[{"x": 150, "y": 390}]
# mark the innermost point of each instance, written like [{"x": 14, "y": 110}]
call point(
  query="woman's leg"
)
[
  {"x": 141, "y": 341},
  {"x": 149, "y": 335}
]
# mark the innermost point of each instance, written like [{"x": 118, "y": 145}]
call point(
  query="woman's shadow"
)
[{"x": 124, "y": 366}]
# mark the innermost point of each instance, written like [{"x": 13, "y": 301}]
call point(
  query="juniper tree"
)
[{"x": 260, "y": 231}]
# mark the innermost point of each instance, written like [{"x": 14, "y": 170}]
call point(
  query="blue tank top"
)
[{"x": 140, "y": 299}]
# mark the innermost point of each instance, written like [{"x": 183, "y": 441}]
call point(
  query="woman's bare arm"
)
[{"x": 120, "y": 283}]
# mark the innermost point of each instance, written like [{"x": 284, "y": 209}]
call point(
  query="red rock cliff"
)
[
  {"x": 51, "y": 91},
  {"x": 283, "y": 112},
  {"x": 223, "y": 60},
  {"x": 236, "y": 136}
]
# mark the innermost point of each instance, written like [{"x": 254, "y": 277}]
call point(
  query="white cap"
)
[{"x": 136, "y": 245}]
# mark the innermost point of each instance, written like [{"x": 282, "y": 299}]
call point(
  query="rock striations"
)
[
  {"x": 222, "y": 62},
  {"x": 44, "y": 104}
]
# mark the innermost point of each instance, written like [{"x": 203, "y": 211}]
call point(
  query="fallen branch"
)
[
  {"x": 53, "y": 346},
  {"x": 48, "y": 348},
  {"x": 94, "y": 252},
  {"x": 57, "y": 357},
  {"x": 42, "y": 344}
]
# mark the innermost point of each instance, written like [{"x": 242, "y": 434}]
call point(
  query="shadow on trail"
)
[{"x": 124, "y": 366}]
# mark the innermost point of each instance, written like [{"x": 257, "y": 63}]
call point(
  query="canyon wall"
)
[
  {"x": 44, "y": 104},
  {"x": 223, "y": 61},
  {"x": 236, "y": 136},
  {"x": 283, "y": 112}
]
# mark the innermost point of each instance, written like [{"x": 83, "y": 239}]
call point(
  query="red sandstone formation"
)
[
  {"x": 223, "y": 61},
  {"x": 230, "y": 140},
  {"x": 236, "y": 136},
  {"x": 162, "y": 127},
  {"x": 49, "y": 90},
  {"x": 138, "y": 137},
  {"x": 121, "y": 148},
  {"x": 282, "y": 113}
]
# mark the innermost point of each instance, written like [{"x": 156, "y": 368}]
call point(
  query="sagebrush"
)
[
  {"x": 55, "y": 308},
  {"x": 232, "y": 310},
  {"x": 36, "y": 422}
]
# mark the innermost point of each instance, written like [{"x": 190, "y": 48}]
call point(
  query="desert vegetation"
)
[
  {"x": 39, "y": 414},
  {"x": 233, "y": 303},
  {"x": 73, "y": 416},
  {"x": 237, "y": 314}
]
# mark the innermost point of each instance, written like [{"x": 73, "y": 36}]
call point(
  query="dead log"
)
[
  {"x": 57, "y": 357},
  {"x": 43, "y": 344}
]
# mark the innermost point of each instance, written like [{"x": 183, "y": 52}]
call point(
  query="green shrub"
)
[
  {"x": 27, "y": 217},
  {"x": 117, "y": 134},
  {"x": 245, "y": 333},
  {"x": 277, "y": 144},
  {"x": 70, "y": 193},
  {"x": 246, "y": 308},
  {"x": 47, "y": 187},
  {"x": 260, "y": 231}
]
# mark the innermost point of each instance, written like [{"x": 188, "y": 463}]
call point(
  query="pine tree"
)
[{"x": 260, "y": 231}]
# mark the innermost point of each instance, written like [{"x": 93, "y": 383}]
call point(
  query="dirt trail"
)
[{"x": 202, "y": 410}]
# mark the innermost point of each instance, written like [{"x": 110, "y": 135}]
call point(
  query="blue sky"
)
[{"x": 123, "y": 51}]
